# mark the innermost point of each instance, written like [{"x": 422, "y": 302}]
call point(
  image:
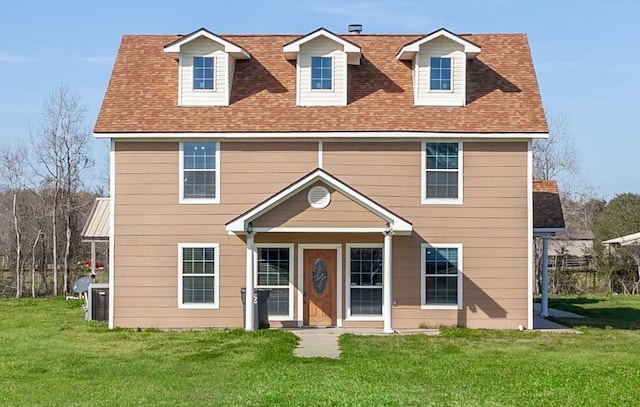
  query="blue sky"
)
[{"x": 585, "y": 53}]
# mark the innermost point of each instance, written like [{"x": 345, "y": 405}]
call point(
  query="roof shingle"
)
[
  {"x": 547, "y": 208},
  {"x": 502, "y": 91}
]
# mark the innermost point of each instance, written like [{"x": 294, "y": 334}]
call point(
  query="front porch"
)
[{"x": 334, "y": 219}]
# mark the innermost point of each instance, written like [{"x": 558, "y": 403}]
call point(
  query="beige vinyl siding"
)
[
  {"x": 440, "y": 47},
  {"x": 252, "y": 172},
  {"x": 223, "y": 76},
  {"x": 342, "y": 212},
  {"x": 491, "y": 224},
  {"x": 337, "y": 96},
  {"x": 150, "y": 223}
]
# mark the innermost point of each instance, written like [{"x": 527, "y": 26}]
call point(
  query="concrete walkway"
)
[
  {"x": 542, "y": 324},
  {"x": 323, "y": 342}
]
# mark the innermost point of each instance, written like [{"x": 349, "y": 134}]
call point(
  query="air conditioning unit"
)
[{"x": 98, "y": 302}]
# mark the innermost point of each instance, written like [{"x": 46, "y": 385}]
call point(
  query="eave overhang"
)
[
  {"x": 230, "y": 48},
  {"x": 292, "y": 49},
  {"x": 395, "y": 224},
  {"x": 320, "y": 135},
  {"x": 409, "y": 51}
]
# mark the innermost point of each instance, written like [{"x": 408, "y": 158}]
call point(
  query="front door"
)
[{"x": 320, "y": 287}]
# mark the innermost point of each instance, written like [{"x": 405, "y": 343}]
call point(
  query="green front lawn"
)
[
  {"x": 50, "y": 356},
  {"x": 603, "y": 311}
]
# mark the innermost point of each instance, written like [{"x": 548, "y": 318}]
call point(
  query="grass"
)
[
  {"x": 603, "y": 311},
  {"x": 50, "y": 356}
]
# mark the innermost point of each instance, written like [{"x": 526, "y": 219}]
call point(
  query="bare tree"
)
[
  {"x": 12, "y": 169},
  {"x": 556, "y": 156},
  {"x": 33, "y": 264},
  {"x": 62, "y": 151}
]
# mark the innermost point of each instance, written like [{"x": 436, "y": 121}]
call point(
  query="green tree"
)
[{"x": 620, "y": 217}]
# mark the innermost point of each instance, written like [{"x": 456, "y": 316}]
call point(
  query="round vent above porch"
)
[{"x": 319, "y": 197}]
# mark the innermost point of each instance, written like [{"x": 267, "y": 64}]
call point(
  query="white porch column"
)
[
  {"x": 544, "y": 290},
  {"x": 248, "y": 316},
  {"x": 386, "y": 283}
]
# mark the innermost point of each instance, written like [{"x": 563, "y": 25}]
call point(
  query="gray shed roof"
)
[{"x": 97, "y": 226}]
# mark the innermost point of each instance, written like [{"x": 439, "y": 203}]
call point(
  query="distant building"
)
[{"x": 571, "y": 248}]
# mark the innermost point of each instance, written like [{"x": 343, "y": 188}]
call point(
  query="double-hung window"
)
[
  {"x": 441, "y": 275},
  {"x": 321, "y": 73},
  {"x": 442, "y": 173},
  {"x": 203, "y": 73},
  {"x": 274, "y": 272},
  {"x": 199, "y": 175},
  {"x": 198, "y": 275},
  {"x": 440, "y": 74},
  {"x": 365, "y": 286}
]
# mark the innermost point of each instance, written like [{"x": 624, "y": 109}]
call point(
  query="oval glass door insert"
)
[{"x": 320, "y": 276}]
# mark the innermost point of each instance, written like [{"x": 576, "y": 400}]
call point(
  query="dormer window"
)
[
  {"x": 439, "y": 68},
  {"x": 206, "y": 65},
  {"x": 322, "y": 60},
  {"x": 321, "y": 72},
  {"x": 440, "y": 73},
  {"x": 203, "y": 73}
]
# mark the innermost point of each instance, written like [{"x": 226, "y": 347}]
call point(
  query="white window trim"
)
[
  {"x": 333, "y": 75},
  {"x": 450, "y": 90},
  {"x": 289, "y": 246},
  {"x": 423, "y": 271},
  {"x": 181, "y": 198},
  {"x": 347, "y": 283},
  {"x": 423, "y": 177},
  {"x": 216, "y": 277},
  {"x": 193, "y": 73}
]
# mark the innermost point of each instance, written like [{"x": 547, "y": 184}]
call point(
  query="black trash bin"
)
[{"x": 260, "y": 307}]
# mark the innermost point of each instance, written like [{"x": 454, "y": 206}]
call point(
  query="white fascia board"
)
[
  {"x": 399, "y": 225},
  {"x": 292, "y": 49},
  {"x": 324, "y": 230},
  {"x": 229, "y": 47},
  {"x": 326, "y": 135},
  {"x": 409, "y": 51}
]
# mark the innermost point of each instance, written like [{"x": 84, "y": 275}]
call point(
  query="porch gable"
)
[{"x": 290, "y": 210}]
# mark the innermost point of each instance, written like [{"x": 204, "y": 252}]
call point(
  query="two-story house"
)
[{"x": 379, "y": 181}]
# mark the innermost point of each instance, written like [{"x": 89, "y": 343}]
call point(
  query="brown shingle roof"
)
[
  {"x": 502, "y": 91},
  {"x": 547, "y": 209}
]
